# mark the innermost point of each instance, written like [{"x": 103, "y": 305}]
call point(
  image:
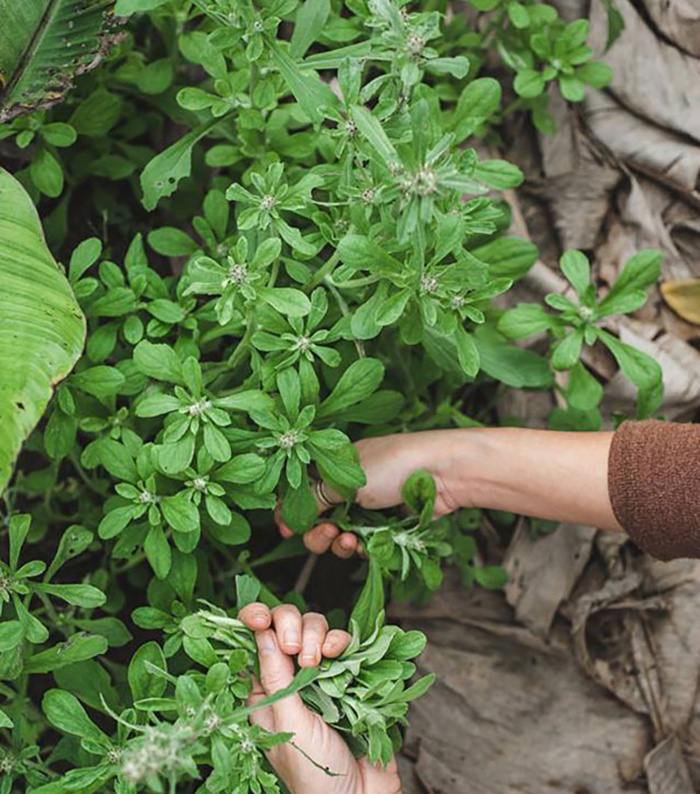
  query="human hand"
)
[
  {"x": 280, "y": 634},
  {"x": 388, "y": 461}
]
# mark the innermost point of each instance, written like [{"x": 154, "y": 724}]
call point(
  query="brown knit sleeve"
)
[{"x": 654, "y": 484}]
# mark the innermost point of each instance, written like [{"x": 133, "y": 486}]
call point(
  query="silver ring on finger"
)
[{"x": 319, "y": 488}]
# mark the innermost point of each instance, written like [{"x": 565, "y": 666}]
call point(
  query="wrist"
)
[{"x": 466, "y": 462}]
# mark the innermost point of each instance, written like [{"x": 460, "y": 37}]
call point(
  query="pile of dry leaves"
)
[{"x": 583, "y": 678}]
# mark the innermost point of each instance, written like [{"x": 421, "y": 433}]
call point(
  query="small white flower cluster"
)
[
  {"x": 160, "y": 751},
  {"x": 289, "y": 439},
  {"x": 409, "y": 540}
]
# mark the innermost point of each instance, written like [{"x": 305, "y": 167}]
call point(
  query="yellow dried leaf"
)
[{"x": 684, "y": 298}]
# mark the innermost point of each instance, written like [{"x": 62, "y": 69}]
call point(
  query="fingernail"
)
[
  {"x": 266, "y": 644},
  {"x": 308, "y": 658},
  {"x": 329, "y": 532},
  {"x": 261, "y": 615},
  {"x": 292, "y": 638}
]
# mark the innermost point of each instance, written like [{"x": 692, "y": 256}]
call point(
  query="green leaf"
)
[
  {"x": 180, "y": 513},
  {"x": 80, "y": 595},
  {"x": 467, "y": 353},
  {"x": 370, "y": 604},
  {"x": 47, "y": 331},
  {"x": 641, "y": 369},
  {"x": 158, "y": 552},
  {"x": 584, "y": 392},
  {"x": 491, "y": 577},
  {"x": 47, "y": 173},
  {"x": 74, "y": 541},
  {"x": 310, "y": 21},
  {"x": 361, "y": 379},
  {"x": 43, "y": 45},
  {"x": 577, "y": 269},
  {"x": 59, "y": 134},
  {"x": 477, "y": 103},
  {"x": 84, "y": 256},
  {"x": 499, "y": 174},
  {"x": 19, "y": 529},
  {"x": 247, "y": 590},
  {"x": 169, "y": 241},
  {"x": 115, "y": 521},
  {"x": 65, "y": 712},
  {"x": 75, "y": 649},
  {"x": 616, "y": 22},
  {"x": 112, "y": 629},
  {"x": 11, "y": 634},
  {"x": 242, "y": 469},
  {"x": 158, "y": 361},
  {"x": 125, "y": 8},
  {"x": 517, "y": 368},
  {"x": 572, "y": 89},
  {"x": 311, "y": 94},
  {"x": 528, "y": 84},
  {"x": 373, "y": 131},
  {"x": 287, "y": 301},
  {"x": 420, "y": 492},
  {"x": 99, "y": 381},
  {"x": 161, "y": 176},
  {"x": 508, "y": 257},
  {"x": 642, "y": 271},
  {"x": 526, "y": 319},
  {"x": 596, "y": 74},
  {"x": 117, "y": 459},
  {"x": 299, "y": 511},
  {"x": 340, "y": 468},
  {"x": 568, "y": 350},
  {"x": 143, "y": 682},
  {"x": 97, "y": 114}
]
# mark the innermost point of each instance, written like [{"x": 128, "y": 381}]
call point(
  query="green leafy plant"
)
[{"x": 280, "y": 239}]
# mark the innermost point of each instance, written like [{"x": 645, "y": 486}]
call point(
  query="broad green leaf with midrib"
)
[
  {"x": 42, "y": 330},
  {"x": 43, "y": 45}
]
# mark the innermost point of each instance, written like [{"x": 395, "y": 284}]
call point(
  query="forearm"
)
[{"x": 540, "y": 473}]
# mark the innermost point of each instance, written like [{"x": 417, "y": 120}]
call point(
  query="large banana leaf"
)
[
  {"x": 43, "y": 45},
  {"x": 42, "y": 330}
]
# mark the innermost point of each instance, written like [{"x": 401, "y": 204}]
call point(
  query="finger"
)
[
  {"x": 324, "y": 496},
  {"x": 315, "y": 628},
  {"x": 276, "y": 673},
  {"x": 276, "y": 668},
  {"x": 287, "y": 622},
  {"x": 345, "y": 545},
  {"x": 285, "y": 531},
  {"x": 256, "y": 617},
  {"x": 265, "y": 718},
  {"x": 319, "y": 539},
  {"x": 335, "y": 643}
]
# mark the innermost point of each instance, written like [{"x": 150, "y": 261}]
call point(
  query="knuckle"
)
[{"x": 285, "y": 611}]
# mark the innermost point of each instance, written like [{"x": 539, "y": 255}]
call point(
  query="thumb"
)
[
  {"x": 276, "y": 673},
  {"x": 276, "y": 668}
]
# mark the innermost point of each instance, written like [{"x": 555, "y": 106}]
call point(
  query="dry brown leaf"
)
[
  {"x": 684, "y": 298},
  {"x": 666, "y": 769},
  {"x": 679, "y": 20},
  {"x": 661, "y": 154},
  {"x": 515, "y": 716},
  {"x": 652, "y": 78},
  {"x": 579, "y": 178},
  {"x": 542, "y": 572}
]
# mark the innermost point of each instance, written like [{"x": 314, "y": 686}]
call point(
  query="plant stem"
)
[{"x": 325, "y": 270}]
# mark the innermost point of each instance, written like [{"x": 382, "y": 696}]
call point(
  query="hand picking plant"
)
[{"x": 278, "y": 240}]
